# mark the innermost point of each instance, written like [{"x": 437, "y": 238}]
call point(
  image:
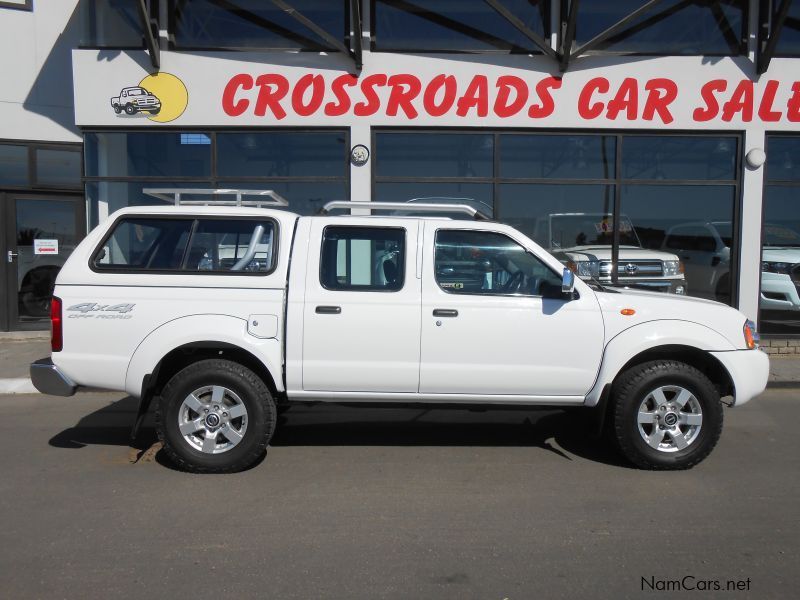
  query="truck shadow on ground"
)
[{"x": 565, "y": 433}]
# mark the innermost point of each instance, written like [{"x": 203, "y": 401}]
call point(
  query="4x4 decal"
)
[{"x": 101, "y": 311}]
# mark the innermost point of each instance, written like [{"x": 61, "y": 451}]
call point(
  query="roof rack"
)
[
  {"x": 405, "y": 206},
  {"x": 173, "y": 195}
]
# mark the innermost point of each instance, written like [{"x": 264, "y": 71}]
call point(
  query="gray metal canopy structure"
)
[
  {"x": 150, "y": 26},
  {"x": 773, "y": 15}
]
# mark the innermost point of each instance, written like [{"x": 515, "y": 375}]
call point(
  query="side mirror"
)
[{"x": 567, "y": 281}]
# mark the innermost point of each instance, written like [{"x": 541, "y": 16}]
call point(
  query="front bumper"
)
[
  {"x": 48, "y": 379},
  {"x": 778, "y": 292},
  {"x": 749, "y": 370}
]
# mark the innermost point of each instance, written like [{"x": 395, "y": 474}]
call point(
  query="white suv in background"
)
[
  {"x": 705, "y": 249},
  {"x": 780, "y": 268}
]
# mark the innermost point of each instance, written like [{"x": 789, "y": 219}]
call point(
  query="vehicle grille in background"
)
[{"x": 634, "y": 268}]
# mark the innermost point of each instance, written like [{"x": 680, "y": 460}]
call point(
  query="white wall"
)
[{"x": 36, "y": 67}]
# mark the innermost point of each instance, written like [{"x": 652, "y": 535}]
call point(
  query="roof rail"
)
[
  {"x": 173, "y": 195},
  {"x": 405, "y": 206}
]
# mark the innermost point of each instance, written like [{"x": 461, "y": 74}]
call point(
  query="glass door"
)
[{"x": 41, "y": 233}]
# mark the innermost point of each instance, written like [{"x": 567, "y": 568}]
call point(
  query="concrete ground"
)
[{"x": 371, "y": 503}]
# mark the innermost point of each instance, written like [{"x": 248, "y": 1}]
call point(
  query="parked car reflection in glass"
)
[{"x": 705, "y": 250}]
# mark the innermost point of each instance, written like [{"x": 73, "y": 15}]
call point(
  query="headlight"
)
[
  {"x": 673, "y": 267},
  {"x": 584, "y": 268},
  {"x": 751, "y": 337},
  {"x": 776, "y": 267}
]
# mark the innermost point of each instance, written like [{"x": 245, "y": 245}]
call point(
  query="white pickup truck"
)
[{"x": 224, "y": 314}]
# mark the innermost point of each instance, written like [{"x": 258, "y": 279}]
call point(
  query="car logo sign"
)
[{"x": 631, "y": 268}]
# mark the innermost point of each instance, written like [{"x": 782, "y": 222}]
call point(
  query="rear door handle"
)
[
  {"x": 329, "y": 310},
  {"x": 444, "y": 312}
]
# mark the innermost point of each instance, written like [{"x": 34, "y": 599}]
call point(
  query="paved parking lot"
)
[{"x": 369, "y": 503}]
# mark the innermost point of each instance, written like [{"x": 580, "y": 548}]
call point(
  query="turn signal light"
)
[
  {"x": 56, "y": 323},
  {"x": 751, "y": 337},
  {"x": 627, "y": 312}
]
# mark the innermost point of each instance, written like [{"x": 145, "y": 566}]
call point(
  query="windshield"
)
[
  {"x": 136, "y": 92},
  {"x": 568, "y": 231},
  {"x": 778, "y": 235}
]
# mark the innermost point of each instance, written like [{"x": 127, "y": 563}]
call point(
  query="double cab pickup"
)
[{"x": 226, "y": 313}]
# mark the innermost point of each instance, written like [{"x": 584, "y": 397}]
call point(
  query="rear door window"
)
[{"x": 363, "y": 258}]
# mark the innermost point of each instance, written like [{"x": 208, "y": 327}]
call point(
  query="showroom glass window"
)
[
  {"x": 681, "y": 194},
  {"x": 564, "y": 191},
  {"x": 40, "y": 165},
  {"x": 456, "y": 25},
  {"x": 708, "y": 27},
  {"x": 307, "y": 167},
  {"x": 255, "y": 24},
  {"x": 789, "y": 39},
  {"x": 780, "y": 238},
  {"x": 112, "y": 23}
]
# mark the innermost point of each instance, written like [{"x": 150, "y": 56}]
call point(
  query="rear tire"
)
[
  {"x": 666, "y": 415},
  {"x": 215, "y": 416}
]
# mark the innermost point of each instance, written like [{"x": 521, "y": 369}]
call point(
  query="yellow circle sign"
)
[{"x": 170, "y": 91}]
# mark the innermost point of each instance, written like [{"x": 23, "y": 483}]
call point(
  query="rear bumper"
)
[
  {"x": 48, "y": 379},
  {"x": 749, "y": 370}
]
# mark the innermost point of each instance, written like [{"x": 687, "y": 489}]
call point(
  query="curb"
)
[
  {"x": 24, "y": 336},
  {"x": 783, "y": 385},
  {"x": 20, "y": 385}
]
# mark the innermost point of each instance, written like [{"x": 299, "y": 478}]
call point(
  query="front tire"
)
[
  {"x": 215, "y": 416},
  {"x": 666, "y": 415},
  {"x": 130, "y": 109}
]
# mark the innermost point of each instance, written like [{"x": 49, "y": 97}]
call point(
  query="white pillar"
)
[
  {"x": 361, "y": 176},
  {"x": 751, "y": 215}
]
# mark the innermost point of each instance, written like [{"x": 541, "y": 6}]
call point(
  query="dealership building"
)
[{"x": 649, "y": 137}]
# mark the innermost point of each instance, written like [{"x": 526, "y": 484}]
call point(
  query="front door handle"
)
[
  {"x": 444, "y": 312},
  {"x": 329, "y": 310},
  {"x": 12, "y": 256}
]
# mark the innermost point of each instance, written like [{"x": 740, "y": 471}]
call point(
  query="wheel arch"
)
[
  {"x": 187, "y": 354},
  {"x": 183, "y": 341},
  {"x": 701, "y": 360},
  {"x": 684, "y": 341}
]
